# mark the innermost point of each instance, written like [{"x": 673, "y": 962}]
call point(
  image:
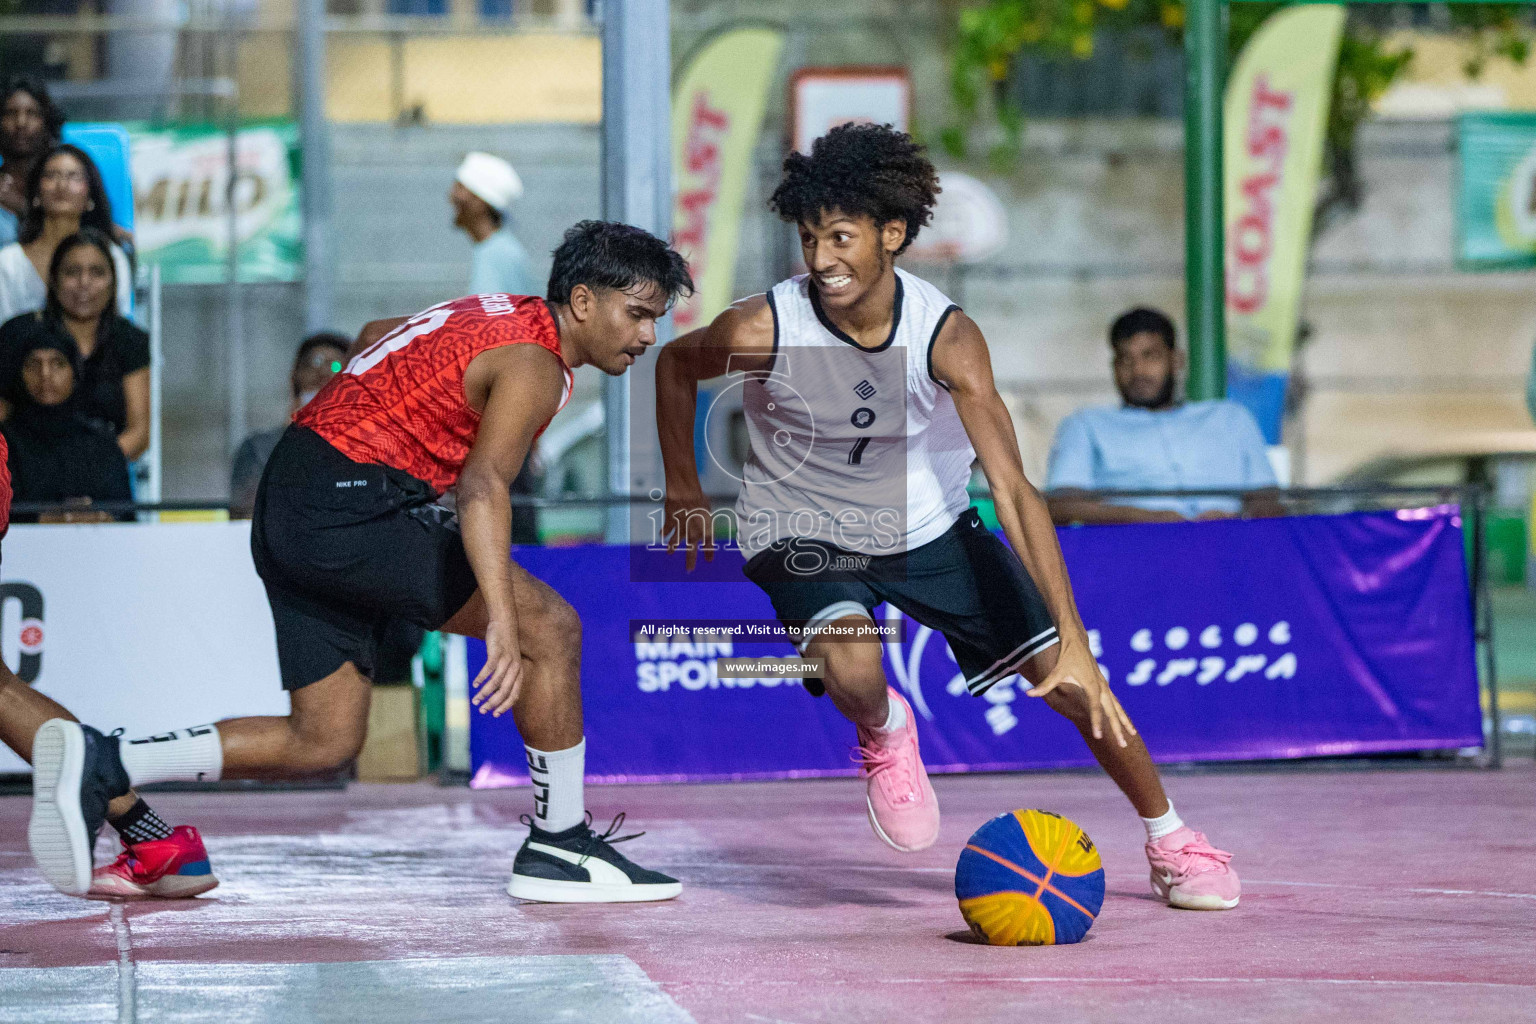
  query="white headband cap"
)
[{"x": 490, "y": 178}]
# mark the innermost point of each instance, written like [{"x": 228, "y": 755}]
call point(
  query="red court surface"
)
[{"x": 1382, "y": 895}]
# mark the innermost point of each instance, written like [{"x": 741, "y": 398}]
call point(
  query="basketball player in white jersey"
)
[{"x": 868, "y": 394}]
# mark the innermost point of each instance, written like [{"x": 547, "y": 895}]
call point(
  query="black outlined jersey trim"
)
[
  {"x": 773, "y": 307},
  {"x": 943, "y": 319},
  {"x": 836, "y": 332}
]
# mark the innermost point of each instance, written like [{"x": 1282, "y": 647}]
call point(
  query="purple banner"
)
[{"x": 1234, "y": 640}]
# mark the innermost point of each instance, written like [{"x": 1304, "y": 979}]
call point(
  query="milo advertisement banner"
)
[
  {"x": 180, "y": 189},
  {"x": 1496, "y": 190}
]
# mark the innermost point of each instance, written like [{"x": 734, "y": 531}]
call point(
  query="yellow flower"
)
[
  {"x": 998, "y": 69},
  {"x": 1114, "y": 5},
  {"x": 1083, "y": 12},
  {"x": 1082, "y": 46},
  {"x": 1173, "y": 16}
]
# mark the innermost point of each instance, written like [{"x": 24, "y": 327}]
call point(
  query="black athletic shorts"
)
[
  {"x": 346, "y": 548},
  {"x": 967, "y": 585}
]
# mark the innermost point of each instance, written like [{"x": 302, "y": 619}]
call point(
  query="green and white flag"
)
[{"x": 1496, "y": 190}]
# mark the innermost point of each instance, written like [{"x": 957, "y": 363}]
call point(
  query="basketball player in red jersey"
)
[
  {"x": 157, "y": 861},
  {"x": 348, "y": 533}
]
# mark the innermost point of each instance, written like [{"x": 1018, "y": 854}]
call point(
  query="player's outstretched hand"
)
[
  {"x": 1077, "y": 667},
  {"x": 689, "y": 522},
  {"x": 502, "y": 675}
]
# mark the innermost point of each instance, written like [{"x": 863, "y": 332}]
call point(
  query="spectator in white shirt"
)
[
  {"x": 484, "y": 187},
  {"x": 64, "y": 194}
]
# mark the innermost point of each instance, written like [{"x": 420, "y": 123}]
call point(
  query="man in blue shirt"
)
[
  {"x": 483, "y": 188},
  {"x": 1155, "y": 441}
]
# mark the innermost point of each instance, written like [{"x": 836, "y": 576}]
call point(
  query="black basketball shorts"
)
[
  {"x": 345, "y": 548},
  {"x": 967, "y": 585}
]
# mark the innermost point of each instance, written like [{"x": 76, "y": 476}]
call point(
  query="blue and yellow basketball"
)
[{"x": 1029, "y": 878}]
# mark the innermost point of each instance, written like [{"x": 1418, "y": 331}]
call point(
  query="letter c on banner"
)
[{"x": 30, "y": 664}]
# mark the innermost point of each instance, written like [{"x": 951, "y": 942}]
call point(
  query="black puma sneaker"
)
[
  {"x": 76, "y": 772},
  {"x": 581, "y": 866}
]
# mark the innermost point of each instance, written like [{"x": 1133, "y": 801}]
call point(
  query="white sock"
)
[
  {"x": 895, "y": 717},
  {"x": 1166, "y": 825},
  {"x": 186, "y": 755},
  {"x": 558, "y": 800}
]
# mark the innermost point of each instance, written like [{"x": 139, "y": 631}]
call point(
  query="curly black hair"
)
[{"x": 868, "y": 169}]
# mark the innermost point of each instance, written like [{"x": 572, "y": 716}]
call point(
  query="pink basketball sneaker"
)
[
  {"x": 902, "y": 806},
  {"x": 1189, "y": 872},
  {"x": 173, "y": 868}
]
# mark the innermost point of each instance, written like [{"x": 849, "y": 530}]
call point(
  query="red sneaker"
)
[{"x": 173, "y": 868}]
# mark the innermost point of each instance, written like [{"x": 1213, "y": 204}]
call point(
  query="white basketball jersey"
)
[{"x": 860, "y": 448}]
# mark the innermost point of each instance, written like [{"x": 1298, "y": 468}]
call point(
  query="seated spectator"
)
[
  {"x": 319, "y": 358},
  {"x": 57, "y": 455},
  {"x": 30, "y": 125},
  {"x": 81, "y": 307},
  {"x": 64, "y": 194},
  {"x": 483, "y": 188},
  {"x": 1155, "y": 441}
]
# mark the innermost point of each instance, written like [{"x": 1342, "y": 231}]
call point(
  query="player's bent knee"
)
[
  {"x": 1071, "y": 702},
  {"x": 316, "y": 755},
  {"x": 853, "y": 669},
  {"x": 554, "y": 633}
]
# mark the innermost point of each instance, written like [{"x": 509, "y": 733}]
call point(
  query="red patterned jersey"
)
[
  {"x": 5, "y": 487},
  {"x": 400, "y": 403}
]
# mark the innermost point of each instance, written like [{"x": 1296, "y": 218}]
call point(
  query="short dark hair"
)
[
  {"x": 85, "y": 236},
  {"x": 606, "y": 254},
  {"x": 868, "y": 169},
  {"x": 1142, "y": 320},
  {"x": 53, "y": 117},
  {"x": 321, "y": 339},
  {"x": 99, "y": 216}
]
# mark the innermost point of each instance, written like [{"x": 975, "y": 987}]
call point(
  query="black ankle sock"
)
[{"x": 139, "y": 824}]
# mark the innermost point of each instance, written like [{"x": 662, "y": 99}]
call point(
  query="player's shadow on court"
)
[
  {"x": 806, "y": 886},
  {"x": 133, "y": 908},
  {"x": 969, "y": 938}
]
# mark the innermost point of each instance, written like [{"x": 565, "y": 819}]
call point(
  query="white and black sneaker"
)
[
  {"x": 581, "y": 866},
  {"x": 76, "y": 772}
]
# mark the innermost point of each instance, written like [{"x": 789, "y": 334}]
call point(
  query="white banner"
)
[{"x": 147, "y": 627}]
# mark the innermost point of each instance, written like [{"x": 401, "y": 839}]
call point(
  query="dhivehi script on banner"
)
[
  {"x": 139, "y": 626},
  {"x": 180, "y": 179},
  {"x": 1244, "y": 639}
]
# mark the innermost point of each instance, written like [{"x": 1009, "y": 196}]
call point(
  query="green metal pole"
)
[{"x": 1205, "y": 52}]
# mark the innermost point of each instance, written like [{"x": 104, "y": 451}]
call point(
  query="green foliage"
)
[{"x": 992, "y": 33}]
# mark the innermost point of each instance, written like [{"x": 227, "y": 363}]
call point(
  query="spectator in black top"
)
[
  {"x": 319, "y": 358},
  {"x": 56, "y": 454},
  {"x": 113, "y": 387}
]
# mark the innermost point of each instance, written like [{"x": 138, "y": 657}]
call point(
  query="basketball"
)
[{"x": 1029, "y": 878}]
